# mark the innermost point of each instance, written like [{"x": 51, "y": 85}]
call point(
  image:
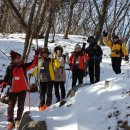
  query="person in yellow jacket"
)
[
  {"x": 118, "y": 50},
  {"x": 45, "y": 70}
]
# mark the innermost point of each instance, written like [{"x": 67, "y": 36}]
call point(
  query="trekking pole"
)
[
  {"x": 5, "y": 54},
  {"x": 94, "y": 68},
  {"x": 29, "y": 94},
  {"x": 29, "y": 100},
  {"x": 67, "y": 78},
  {"x": 2, "y": 90}
]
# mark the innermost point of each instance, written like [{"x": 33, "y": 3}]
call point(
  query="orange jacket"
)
[{"x": 82, "y": 60}]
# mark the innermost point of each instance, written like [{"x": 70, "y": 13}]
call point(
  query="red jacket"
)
[
  {"x": 16, "y": 76},
  {"x": 82, "y": 58}
]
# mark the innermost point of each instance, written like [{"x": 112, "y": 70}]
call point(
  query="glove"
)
[
  {"x": 3, "y": 85},
  {"x": 126, "y": 58},
  {"x": 105, "y": 34}
]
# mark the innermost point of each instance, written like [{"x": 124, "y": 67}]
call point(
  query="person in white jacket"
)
[{"x": 60, "y": 75}]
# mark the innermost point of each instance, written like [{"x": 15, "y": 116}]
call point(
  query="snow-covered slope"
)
[{"x": 102, "y": 106}]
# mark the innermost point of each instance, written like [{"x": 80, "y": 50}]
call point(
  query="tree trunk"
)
[
  {"x": 28, "y": 42},
  {"x": 1, "y": 16},
  {"x": 71, "y": 7},
  {"x": 102, "y": 18},
  {"x": 17, "y": 14},
  {"x": 50, "y": 19}
]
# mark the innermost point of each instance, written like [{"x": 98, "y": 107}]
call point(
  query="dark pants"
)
[
  {"x": 46, "y": 88},
  {"x": 77, "y": 75},
  {"x": 60, "y": 85},
  {"x": 116, "y": 64},
  {"x": 94, "y": 72},
  {"x": 13, "y": 97}
]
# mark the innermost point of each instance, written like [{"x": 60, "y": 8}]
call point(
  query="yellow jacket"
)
[
  {"x": 116, "y": 49},
  {"x": 53, "y": 63}
]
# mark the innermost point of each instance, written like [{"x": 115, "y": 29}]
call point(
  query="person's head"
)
[
  {"x": 44, "y": 52},
  {"x": 91, "y": 40},
  {"x": 77, "y": 48},
  {"x": 115, "y": 38},
  {"x": 58, "y": 50},
  {"x": 15, "y": 57}
]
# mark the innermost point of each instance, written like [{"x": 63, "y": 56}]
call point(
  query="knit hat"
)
[
  {"x": 58, "y": 48},
  {"x": 90, "y": 37},
  {"x": 14, "y": 54},
  {"x": 77, "y": 46}
]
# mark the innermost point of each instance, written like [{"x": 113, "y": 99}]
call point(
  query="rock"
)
[{"x": 27, "y": 123}]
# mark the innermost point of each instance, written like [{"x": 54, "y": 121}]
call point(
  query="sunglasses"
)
[{"x": 43, "y": 52}]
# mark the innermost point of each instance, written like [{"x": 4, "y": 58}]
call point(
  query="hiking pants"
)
[
  {"x": 77, "y": 75},
  {"x": 116, "y": 64},
  {"x": 13, "y": 97},
  {"x": 61, "y": 86},
  {"x": 94, "y": 72},
  {"x": 46, "y": 93}
]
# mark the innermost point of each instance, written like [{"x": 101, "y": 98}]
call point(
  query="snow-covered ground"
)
[{"x": 100, "y": 106}]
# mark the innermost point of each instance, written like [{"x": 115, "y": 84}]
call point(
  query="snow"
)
[{"x": 95, "y": 107}]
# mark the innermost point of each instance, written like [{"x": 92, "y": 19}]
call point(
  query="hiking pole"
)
[
  {"x": 37, "y": 77},
  {"x": 5, "y": 54},
  {"x": 2, "y": 90},
  {"x": 94, "y": 68},
  {"x": 67, "y": 78},
  {"x": 29, "y": 100},
  {"x": 29, "y": 93}
]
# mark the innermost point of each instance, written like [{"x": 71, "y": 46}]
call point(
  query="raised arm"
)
[
  {"x": 107, "y": 42},
  {"x": 32, "y": 64},
  {"x": 124, "y": 49}
]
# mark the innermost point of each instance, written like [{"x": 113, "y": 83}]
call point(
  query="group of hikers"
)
[{"x": 51, "y": 72}]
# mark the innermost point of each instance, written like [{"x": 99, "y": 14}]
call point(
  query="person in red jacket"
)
[
  {"x": 78, "y": 62},
  {"x": 16, "y": 77}
]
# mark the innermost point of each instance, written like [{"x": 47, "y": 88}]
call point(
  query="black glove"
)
[
  {"x": 126, "y": 58},
  {"x": 105, "y": 34}
]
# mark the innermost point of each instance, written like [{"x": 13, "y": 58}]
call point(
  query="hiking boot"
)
[
  {"x": 46, "y": 107},
  {"x": 10, "y": 126},
  {"x": 41, "y": 108},
  {"x": 17, "y": 123}
]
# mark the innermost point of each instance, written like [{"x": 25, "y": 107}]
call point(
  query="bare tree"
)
[
  {"x": 79, "y": 17},
  {"x": 28, "y": 41},
  {"x": 101, "y": 17},
  {"x": 71, "y": 7}
]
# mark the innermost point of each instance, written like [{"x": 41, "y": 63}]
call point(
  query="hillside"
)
[{"x": 102, "y": 106}]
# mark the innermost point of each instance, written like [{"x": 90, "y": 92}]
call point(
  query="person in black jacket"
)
[{"x": 94, "y": 52}]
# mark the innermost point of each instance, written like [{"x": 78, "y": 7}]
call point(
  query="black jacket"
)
[{"x": 94, "y": 52}]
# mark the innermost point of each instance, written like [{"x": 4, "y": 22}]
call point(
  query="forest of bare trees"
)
[{"x": 39, "y": 18}]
